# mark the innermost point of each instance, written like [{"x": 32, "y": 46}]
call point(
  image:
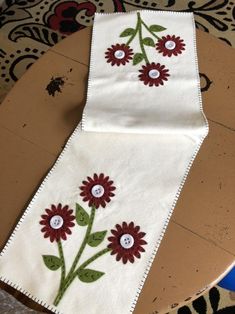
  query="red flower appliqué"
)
[
  {"x": 170, "y": 45},
  {"x": 127, "y": 242},
  {"x": 119, "y": 54},
  {"x": 57, "y": 222},
  {"x": 97, "y": 191},
  {"x": 153, "y": 74},
  {"x": 64, "y": 19}
]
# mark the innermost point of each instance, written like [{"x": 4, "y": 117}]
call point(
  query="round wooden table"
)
[{"x": 44, "y": 107}]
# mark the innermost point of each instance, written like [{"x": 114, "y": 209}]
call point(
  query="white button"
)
[
  {"x": 170, "y": 44},
  {"x": 154, "y": 73},
  {"x": 56, "y": 222},
  {"x": 119, "y": 54},
  {"x": 127, "y": 241},
  {"x": 97, "y": 190}
]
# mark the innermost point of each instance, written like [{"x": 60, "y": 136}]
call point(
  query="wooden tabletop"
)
[{"x": 44, "y": 107}]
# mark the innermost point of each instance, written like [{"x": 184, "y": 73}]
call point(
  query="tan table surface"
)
[{"x": 199, "y": 245}]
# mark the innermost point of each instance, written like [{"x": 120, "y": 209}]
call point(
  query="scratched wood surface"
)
[{"x": 44, "y": 107}]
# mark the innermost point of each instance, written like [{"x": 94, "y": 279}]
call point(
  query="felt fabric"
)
[{"x": 88, "y": 238}]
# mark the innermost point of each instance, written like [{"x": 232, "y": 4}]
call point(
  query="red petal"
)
[
  {"x": 68, "y": 231},
  {"x": 101, "y": 176},
  {"x": 137, "y": 229},
  {"x": 70, "y": 224},
  {"x": 141, "y": 249},
  {"x": 124, "y": 225},
  {"x": 102, "y": 203},
  {"x": 118, "y": 227},
  {"x": 46, "y": 235},
  {"x": 48, "y": 211},
  {"x": 124, "y": 259},
  {"x": 59, "y": 206},
  {"x": 118, "y": 257},
  {"x": 137, "y": 254},
  {"x": 111, "y": 239},
  {"x": 141, "y": 234},
  {"x": 53, "y": 207},
  {"x": 63, "y": 236},
  {"x": 114, "y": 232},
  {"x": 65, "y": 208}
]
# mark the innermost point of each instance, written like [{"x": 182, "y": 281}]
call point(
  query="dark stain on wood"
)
[
  {"x": 205, "y": 81},
  {"x": 24, "y": 125},
  {"x": 189, "y": 298},
  {"x": 55, "y": 86},
  {"x": 174, "y": 305}
]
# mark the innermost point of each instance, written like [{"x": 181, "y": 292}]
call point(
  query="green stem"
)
[
  {"x": 88, "y": 232},
  {"x": 134, "y": 34},
  {"x": 74, "y": 275},
  {"x": 93, "y": 258},
  {"x": 63, "y": 268},
  {"x": 148, "y": 29},
  {"x": 71, "y": 275},
  {"x": 141, "y": 39}
]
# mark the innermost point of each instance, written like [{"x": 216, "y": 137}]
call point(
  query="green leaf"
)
[
  {"x": 96, "y": 238},
  {"x": 148, "y": 42},
  {"x": 138, "y": 57},
  {"x": 127, "y": 32},
  {"x": 156, "y": 28},
  {"x": 82, "y": 216},
  {"x": 52, "y": 262},
  {"x": 89, "y": 275}
]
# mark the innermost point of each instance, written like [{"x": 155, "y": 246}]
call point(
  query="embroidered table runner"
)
[{"x": 87, "y": 240}]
